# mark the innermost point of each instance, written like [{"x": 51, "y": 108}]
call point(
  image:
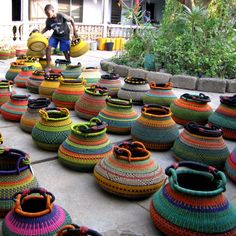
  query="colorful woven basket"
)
[
  {"x": 112, "y": 82},
  {"x": 49, "y": 85},
  {"x": 15, "y": 108},
  {"x": 31, "y": 115},
  {"x": 134, "y": 88},
  {"x": 130, "y": 172},
  {"x": 230, "y": 166},
  {"x": 43, "y": 62},
  {"x": 160, "y": 94},
  {"x": 39, "y": 54},
  {"x": 91, "y": 102},
  {"x": 32, "y": 61},
  {"x": 5, "y": 53},
  {"x": 119, "y": 115},
  {"x": 78, "y": 47},
  {"x": 6, "y": 90},
  {"x": 201, "y": 144},
  {"x": 35, "y": 213},
  {"x": 15, "y": 68},
  {"x": 72, "y": 71},
  {"x": 91, "y": 75},
  {"x": 73, "y": 230},
  {"x": 191, "y": 108},
  {"x": 68, "y": 92},
  {"x": 15, "y": 175},
  {"x": 52, "y": 129},
  {"x": 60, "y": 65},
  {"x": 37, "y": 42},
  {"x": 192, "y": 203},
  {"x": 155, "y": 128},
  {"x": 34, "y": 81},
  {"x": 85, "y": 146},
  {"x": 225, "y": 116},
  {"x": 23, "y": 76}
]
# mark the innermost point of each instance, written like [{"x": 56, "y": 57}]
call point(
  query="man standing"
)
[{"x": 61, "y": 33}]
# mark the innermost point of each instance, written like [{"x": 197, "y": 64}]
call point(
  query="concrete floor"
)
[{"x": 78, "y": 192}]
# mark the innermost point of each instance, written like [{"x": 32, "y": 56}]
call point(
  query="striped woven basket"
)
[
  {"x": 52, "y": 129},
  {"x": 201, "y": 144},
  {"x": 130, "y": 172},
  {"x": 134, "y": 88},
  {"x": 160, "y": 94},
  {"x": 230, "y": 166},
  {"x": 155, "y": 128},
  {"x": 112, "y": 82},
  {"x": 72, "y": 71},
  {"x": 192, "y": 203},
  {"x": 119, "y": 115},
  {"x": 225, "y": 116},
  {"x": 73, "y": 230},
  {"x": 31, "y": 115},
  {"x": 15, "y": 68},
  {"x": 91, "y": 102},
  {"x": 34, "y": 81},
  {"x": 91, "y": 75},
  {"x": 60, "y": 65},
  {"x": 6, "y": 90},
  {"x": 49, "y": 84},
  {"x": 85, "y": 146},
  {"x": 191, "y": 108},
  {"x": 15, "y": 108},
  {"x": 23, "y": 76},
  {"x": 68, "y": 92},
  {"x": 35, "y": 213},
  {"x": 15, "y": 175}
]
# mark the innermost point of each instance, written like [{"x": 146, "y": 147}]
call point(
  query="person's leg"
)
[
  {"x": 51, "y": 43},
  {"x": 65, "y": 48}
]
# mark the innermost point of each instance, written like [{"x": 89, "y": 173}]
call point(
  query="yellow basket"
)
[
  {"x": 37, "y": 42},
  {"x": 78, "y": 48}
]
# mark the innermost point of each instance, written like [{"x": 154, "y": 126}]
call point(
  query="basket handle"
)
[
  {"x": 145, "y": 107},
  {"x": 171, "y": 171},
  {"x": 22, "y": 157},
  {"x": 38, "y": 103},
  {"x": 18, "y": 198},
  {"x": 74, "y": 229}
]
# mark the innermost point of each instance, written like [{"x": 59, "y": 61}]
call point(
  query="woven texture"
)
[
  {"x": 91, "y": 75},
  {"x": 60, "y": 65},
  {"x": 191, "y": 108},
  {"x": 52, "y": 129},
  {"x": 72, "y": 71},
  {"x": 91, "y": 102},
  {"x": 130, "y": 172},
  {"x": 6, "y": 90},
  {"x": 15, "y": 108},
  {"x": 31, "y": 116},
  {"x": 85, "y": 146},
  {"x": 23, "y": 76},
  {"x": 160, "y": 94},
  {"x": 15, "y": 68},
  {"x": 134, "y": 88},
  {"x": 230, "y": 166},
  {"x": 37, "y": 42},
  {"x": 19, "y": 222},
  {"x": 112, "y": 82},
  {"x": 205, "y": 146},
  {"x": 225, "y": 116},
  {"x": 192, "y": 203},
  {"x": 119, "y": 115},
  {"x": 78, "y": 47},
  {"x": 34, "y": 81},
  {"x": 12, "y": 181},
  {"x": 155, "y": 121},
  {"x": 49, "y": 85},
  {"x": 68, "y": 92}
]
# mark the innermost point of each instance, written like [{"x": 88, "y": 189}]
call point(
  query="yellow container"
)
[
  {"x": 37, "y": 42},
  {"x": 78, "y": 48},
  {"x": 101, "y": 43},
  {"x": 117, "y": 43}
]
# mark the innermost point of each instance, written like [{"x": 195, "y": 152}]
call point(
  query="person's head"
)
[{"x": 49, "y": 11}]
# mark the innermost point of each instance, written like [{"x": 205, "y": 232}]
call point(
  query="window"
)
[
  {"x": 16, "y": 10},
  {"x": 73, "y": 8},
  {"x": 115, "y": 13}
]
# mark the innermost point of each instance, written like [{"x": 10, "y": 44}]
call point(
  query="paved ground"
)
[{"x": 77, "y": 192}]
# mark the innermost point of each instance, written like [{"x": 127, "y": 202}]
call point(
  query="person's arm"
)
[
  {"x": 44, "y": 30},
  {"x": 71, "y": 20}
]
